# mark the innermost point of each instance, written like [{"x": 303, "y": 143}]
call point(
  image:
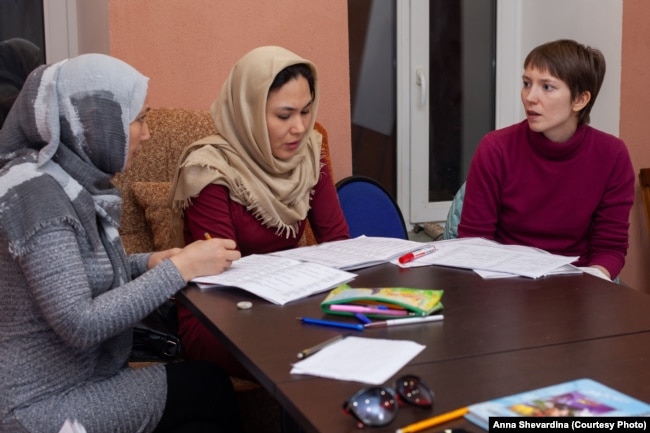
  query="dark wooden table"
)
[
  {"x": 499, "y": 336},
  {"x": 620, "y": 362}
]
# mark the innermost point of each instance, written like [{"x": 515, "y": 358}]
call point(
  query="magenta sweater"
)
[{"x": 571, "y": 198}]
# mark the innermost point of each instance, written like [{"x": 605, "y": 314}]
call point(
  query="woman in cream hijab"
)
[{"x": 261, "y": 178}]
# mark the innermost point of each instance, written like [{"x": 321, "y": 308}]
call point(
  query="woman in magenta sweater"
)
[
  {"x": 552, "y": 181},
  {"x": 261, "y": 178}
]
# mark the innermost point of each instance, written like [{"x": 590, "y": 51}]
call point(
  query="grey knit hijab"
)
[{"x": 62, "y": 142}]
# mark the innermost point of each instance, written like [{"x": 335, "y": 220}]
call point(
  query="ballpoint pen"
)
[
  {"x": 434, "y": 421},
  {"x": 311, "y": 350},
  {"x": 312, "y": 321},
  {"x": 409, "y": 257},
  {"x": 406, "y": 321}
]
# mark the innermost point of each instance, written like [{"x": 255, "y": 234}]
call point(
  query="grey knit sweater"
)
[
  {"x": 67, "y": 297},
  {"x": 65, "y": 337}
]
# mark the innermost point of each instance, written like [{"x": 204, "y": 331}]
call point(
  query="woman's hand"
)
[
  {"x": 209, "y": 257},
  {"x": 159, "y": 256},
  {"x": 603, "y": 270}
]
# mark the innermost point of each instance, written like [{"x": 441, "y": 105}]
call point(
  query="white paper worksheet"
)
[
  {"x": 366, "y": 360},
  {"x": 277, "y": 279},
  {"x": 355, "y": 253}
]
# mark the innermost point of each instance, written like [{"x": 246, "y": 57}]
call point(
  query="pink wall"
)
[
  {"x": 635, "y": 130},
  {"x": 188, "y": 48}
]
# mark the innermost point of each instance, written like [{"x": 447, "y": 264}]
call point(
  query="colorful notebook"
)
[
  {"x": 578, "y": 398},
  {"x": 413, "y": 302}
]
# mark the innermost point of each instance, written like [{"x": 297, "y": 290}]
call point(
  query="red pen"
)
[{"x": 409, "y": 257}]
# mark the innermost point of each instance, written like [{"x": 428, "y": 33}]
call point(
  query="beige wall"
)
[
  {"x": 187, "y": 48},
  {"x": 635, "y": 130}
]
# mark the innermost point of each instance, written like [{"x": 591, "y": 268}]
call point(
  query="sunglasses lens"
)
[
  {"x": 374, "y": 407},
  {"x": 412, "y": 390}
]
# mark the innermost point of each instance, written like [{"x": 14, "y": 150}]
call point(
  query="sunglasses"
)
[{"x": 377, "y": 406}]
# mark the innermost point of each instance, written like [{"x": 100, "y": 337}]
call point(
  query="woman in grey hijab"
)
[{"x": 68, "y": 293}]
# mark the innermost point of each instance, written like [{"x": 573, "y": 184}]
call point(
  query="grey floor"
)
[
  {"x": 420, "y": 236},
  {"x": 426, "y": 232}
]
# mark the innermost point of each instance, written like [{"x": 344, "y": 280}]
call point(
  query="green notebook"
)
[{"x": 414, "y": 302}]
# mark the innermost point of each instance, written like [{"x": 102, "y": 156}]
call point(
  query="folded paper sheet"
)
[{"x": 367, "y": 360}]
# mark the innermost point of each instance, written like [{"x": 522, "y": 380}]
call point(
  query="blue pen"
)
[
  {"x": 357, "y": 326},
  {"x": 362, "y": 318}
]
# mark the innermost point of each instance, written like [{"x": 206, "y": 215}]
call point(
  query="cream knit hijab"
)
[{"x": 276, "y": 192}]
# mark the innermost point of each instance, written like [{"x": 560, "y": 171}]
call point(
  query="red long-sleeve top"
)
[
  {"x": 214, "y": 212},
  {"x": 572, "y": 198}
]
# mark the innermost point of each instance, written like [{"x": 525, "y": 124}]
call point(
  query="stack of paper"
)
[
  {"x": 293, "y": 274},
  {"x": 489, "y": 257},
  {"x": 354, "y": 253},
  {"x": 277, "y": 279}
]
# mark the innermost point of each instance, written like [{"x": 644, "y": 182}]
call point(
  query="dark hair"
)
[
  {"x": 581, "y": 67},
  {"x": 294, "y": 71}
]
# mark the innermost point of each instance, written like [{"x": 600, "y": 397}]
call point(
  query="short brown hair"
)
[{"x": 581, "y": 67}]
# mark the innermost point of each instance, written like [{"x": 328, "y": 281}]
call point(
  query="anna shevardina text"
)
[{"x": 626, "y": 424}]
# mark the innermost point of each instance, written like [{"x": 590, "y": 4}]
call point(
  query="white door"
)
[{"x": 446, "y": 87}]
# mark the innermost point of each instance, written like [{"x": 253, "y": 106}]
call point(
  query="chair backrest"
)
[
  {"x": 644, "y": 187},
  {"x": 369, "y": 208},
  {"x": 453, "y": 216}
]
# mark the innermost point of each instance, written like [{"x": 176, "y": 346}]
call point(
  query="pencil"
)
[
  {"x": 434, "y": 421},
  {"x": 311, "y": 350},
  {"x": 207, "y": 235}
]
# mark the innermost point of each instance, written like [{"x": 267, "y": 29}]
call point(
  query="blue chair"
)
[{"x": 369, "y": 208}]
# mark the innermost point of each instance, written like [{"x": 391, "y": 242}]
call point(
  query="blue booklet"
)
[{"x": 582, "y": 397}]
